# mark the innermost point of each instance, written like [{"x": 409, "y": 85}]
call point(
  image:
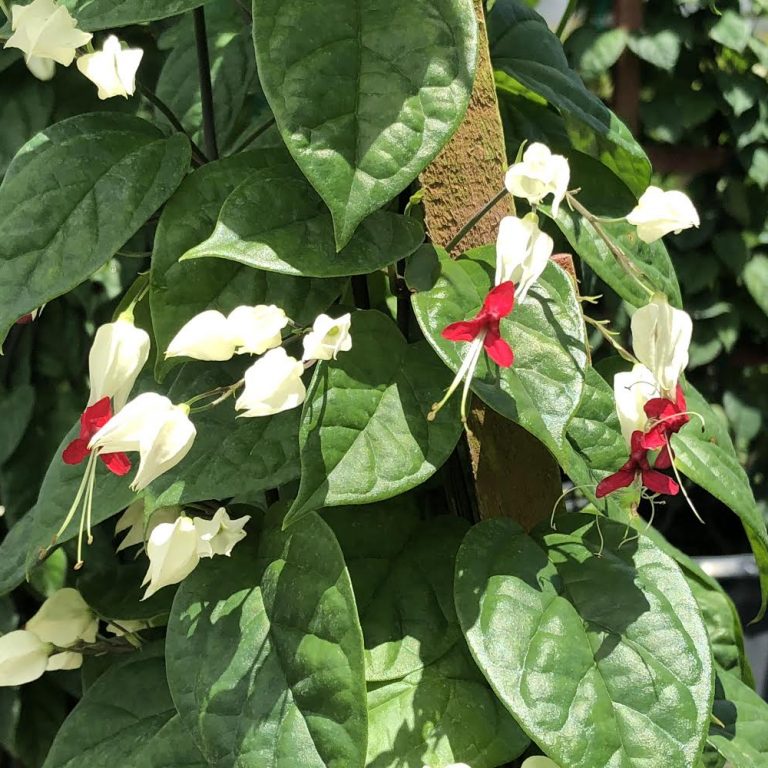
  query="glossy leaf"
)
[
  {"x": 26, "y": 107},
  {"x": 93, "y": 15},
  {"x": 265, "y": 653},
  {"x": 293, "y": 232},
  {"x": 170, "y": 747},
  {"x": 595, "y": 644},
  {"x": 364, "y": 432},
  {"x": 542, "y": 389},
  {"x": 15, "y": 412},
  {"x": 367, "y": 99},
  {"x": 88, "y": 183}
]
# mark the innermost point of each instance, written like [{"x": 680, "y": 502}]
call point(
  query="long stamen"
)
[
  {"x": 460, "y": 374},
  {"x": 88, "y": 504},
  {"x": 561, "y": 497},
  {"x": 75, "y": 503},
  {"x": 90, "y": 473},
  {"x": 682, "y": 487},
  {"x": 478, "y": 343}
]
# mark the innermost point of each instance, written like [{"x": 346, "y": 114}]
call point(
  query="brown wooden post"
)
[
  {"x": 626, "y": 95},
  {"x": 515, "y": 475}
]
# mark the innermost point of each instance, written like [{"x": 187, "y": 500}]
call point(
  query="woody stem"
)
[{"x": 487, "y": 208}]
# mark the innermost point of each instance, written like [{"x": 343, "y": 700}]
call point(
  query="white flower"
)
[
  {"x": 118, "y": 354},
  {"x": 151, "y": 424},
  {"x": 539, "y": 761},
  {"x": 64, "y": 660},
  {"x": 206, "y": 336},
  {"x": 658, "y": 213},
  {"x": 539, "y": 174},
  {"x": 328, "y": 337},
  {"x": 23, "y": 657},
  {"x": 112, "y": 69},
  {"x": 522, "y": 252},
  {"x": 138, "y": 528},
  {"x": 64, "y": 619},
  {"x": 661, "y": 336},
  {"x": 632, "y": 390},
  {"x": 257, "y": 329},
  {"x": 272, "y": 384},
  {"x": 172, "y": 553},
  {"x": 45, "y": 30},
  {"x": 42, "y": 69},
  {"x": 122, "y": 627},
  {"x": 219, "y": 535}
]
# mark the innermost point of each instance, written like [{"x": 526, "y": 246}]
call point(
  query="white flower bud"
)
[
  {"x": 64, "y": 619},
  {"x": 42, "y": 69},
  {"x": 118, "y": 354},
  {"x": 219, "y": 535},
  {"x": 658, "y": 213},
  {"x": 661, "y": 336},
  {"x": 139, "y": 529},
  {"x": 64, "y": 660},
  {"x": 539, "y": 174},
  {"x": 207, "y": 336},
  {"x": 151, "y": 424},
  {"x": 23, "y": 657},
  {"x": 257, "y": 329},
  {"x": 172, "y": 553},
  {"x": 522, "y": 253},
  {"x": 328, "y": 337},
  {"x": 112, "y": 69},
  {"x": 632, "y": 390},
  {"x": 46, "y": 30},
  {"x": 272, "y": 384}
]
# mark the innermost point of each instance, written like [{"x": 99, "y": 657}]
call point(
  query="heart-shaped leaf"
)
[{"x": 94, "y": 15}]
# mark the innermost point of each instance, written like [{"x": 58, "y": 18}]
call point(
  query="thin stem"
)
[
  {"x": 461, "y": 234},
  {"x": 608, "y": 336},
  {"x": 222, "y": 392},
  {"x": 4, "y": 9},
  {"x": 166, "y": 111},
  {"x": 360, "y": 291},
  {"x": 251, "y": 137},
  {"x": 566, "y": 18},
  {"x": 206, "y": 90}
]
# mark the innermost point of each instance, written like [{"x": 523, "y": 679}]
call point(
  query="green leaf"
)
[
  {"x": 708, "y": 458},
  {"x": 364, "y": 433},
  {"x": 265, "y": 653},
  {"x": 88, "y": 183},
  {"x": 368, "y": 99},
  {"x": 170, "y": 747},
  {"x": 26, "y": 106},
  {"x": 593, "y": 51},
  {"x": 293, "y": 231},
  {"x": 523, "y": 47},
  {"x": 438, "y": 716},
  {"x": 595, "y": 644},
  {"x": 402, "y": 573},
  {"x": 660, "y": 47},
  {"x": 127, "y": 705},
  {"x": 542, "y": 389},
  {"x": 181, "y": 289},
  {"x": 15, "y": 412},
  {"x": 44, "y": 707},
  {"x": 94, "y": 15},
  {"x": 756, "y": 280},
  {"x": 732, "y": 30}
]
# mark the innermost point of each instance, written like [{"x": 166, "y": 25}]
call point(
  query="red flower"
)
[
  {"x": 92, "y": 420},
  {"x": 498, "y": 303},
  {"x": 667, "y": 418},
  {"x": 638, "y": 464}
]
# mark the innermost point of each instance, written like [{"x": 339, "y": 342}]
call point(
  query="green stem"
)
[
  {"x": 569, "y": 11},
  {"x": 4, "y": 9},
  {"x": 251, "y": 137},
  {"x": 462, "y": 233},
  {"x": 222, "y": 392},
  {"x": 206, "y": 89}
]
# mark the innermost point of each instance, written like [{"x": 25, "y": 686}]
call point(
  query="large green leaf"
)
[
  {"x": 523, "y": 47},
  {"x": 15, "y": 412},
  {"x": 26, "y": 106},
  {"x": 402, "y": 573},
  {"x": 708, "y": 458},
  {"x": 88, "y": 184},
  {"x": 542, "y": 389},
  {"x": 368, "y": 98},
  {"x": 275, "y": 221},
  {"x": 170, "y": 747},
  {"x": 94, "y": 15},
  {"x": 181, "y": 289},
  {"x": 364, "y": 433},
  {"x": 438, "y": 716},
  {"x": 595, "y": 644},
  {"x": 265, "y": 653},
  {"x": 126, "y": 706}
]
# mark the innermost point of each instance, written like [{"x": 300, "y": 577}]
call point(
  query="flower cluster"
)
[
  {"x": 63, "y": 621},
  {"x": 47, "y": 34},
  {"x": 649, "y": 399}
]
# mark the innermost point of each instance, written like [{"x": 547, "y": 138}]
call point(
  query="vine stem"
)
[
  {"x": 206, "y": 90},
  {"x": 566, "y": 18},
  {"x": 251, "y": 137},
  {"x": 156, "y": 101},
  {"x": 462, "y": 233},
  {"x": 4, "y": 9}
]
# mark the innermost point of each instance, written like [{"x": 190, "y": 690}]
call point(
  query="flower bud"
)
[
  {"x": 23, "y": 657},
  {"x": 522, "y": 252},
  {"x": 658, "y": 213},
  {"x": 46, "y": 30},
  {"x": 64, "y": 619},
  {"x": 172, "y": 553},
  {"x": 661, "y": 336},
  {"x": 139, "y": 528},
  {"x": 112, "y": 69},
  {"x": 632, "y": 390},
  {"x": 257, "y": 329},
  {"x": 118, "y": 354},
  {"x": 207, "y": 336},
  {"x": 151, "y": 424},
  {"x": 328, "y": 337},
  {"x": 42, "y": 69},
  {"x": 64, "y": 660},
  {"x": 219, "y": 535},
  {"x": 272, "y": 384},
  {"x": 539, "y": 174}
]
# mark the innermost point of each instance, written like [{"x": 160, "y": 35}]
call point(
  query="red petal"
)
[
  {"x": 656, "y": 436},
  {"x": 680, "y": 400},
  {"x": 621, "y": 479},
  {"x": 636, "y": 442},
  {"x": 658, "y": 483},
  {"x": 664, "y": 459},
  {"x": 499, "y": 301},
  {"x": 498, "y": 349},
  {"x": 95, "y": 417},
  {"x": 117, "y": 463},
  {"x": 466, "y": 330},
  {"x": 659, "y": 408},
  {"x": 76, "y": 451}
]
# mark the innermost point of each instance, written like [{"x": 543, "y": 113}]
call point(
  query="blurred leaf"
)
[
  {"x": 756, "y": 280},
  {"x": 659, "y": 47},
  {"x": 594, "y": 52},
  {"x": 732, "y": 30}
]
